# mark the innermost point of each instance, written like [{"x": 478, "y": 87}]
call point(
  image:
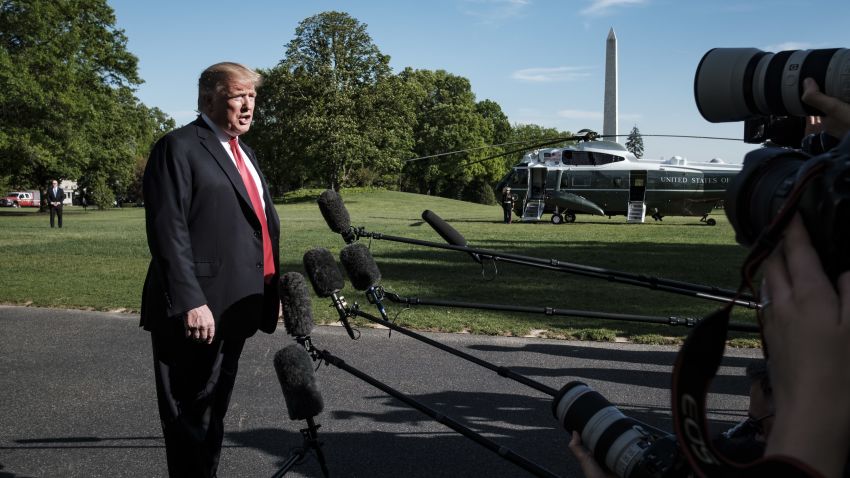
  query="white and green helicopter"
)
[{"x": 603, "y": 178}]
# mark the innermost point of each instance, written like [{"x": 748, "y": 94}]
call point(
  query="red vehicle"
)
[{"x": 20, "y": 199}]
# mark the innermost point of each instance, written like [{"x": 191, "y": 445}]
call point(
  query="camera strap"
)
[
  {"x": 702, "y": 352},
  {"x": 695, "y": 367}
]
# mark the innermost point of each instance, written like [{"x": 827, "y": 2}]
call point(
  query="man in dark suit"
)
[
  {"x": 213, "y": 235},
  {"x": 55, "y": 196}
]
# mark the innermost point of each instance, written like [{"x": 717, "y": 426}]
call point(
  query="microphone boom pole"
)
[
  {"x": 672, "y": 320},
  {"x": 502, "y": 451},
  {"x": 502, "y": 371},
  {"x": 656, "y": 283}
]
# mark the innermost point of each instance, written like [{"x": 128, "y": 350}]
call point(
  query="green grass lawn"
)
[{"x": 99, "y": 259}]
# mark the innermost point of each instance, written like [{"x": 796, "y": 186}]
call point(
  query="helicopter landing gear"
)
[
  {"x": 558, "y": 218},
  {"x": 708, "y": 220}
]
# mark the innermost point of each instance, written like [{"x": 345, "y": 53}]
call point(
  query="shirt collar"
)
[{"x": 221, "y": 135}]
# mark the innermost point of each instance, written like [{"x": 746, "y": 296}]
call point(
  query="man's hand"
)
[
  {"x": 585, "y": 459},
  {"x": 807, "y": 330},
  {"x": 199, "y": 324},
  {"x": 837, "y": 120}
]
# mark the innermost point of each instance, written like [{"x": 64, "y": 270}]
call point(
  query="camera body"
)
[
  {"x": 757, "y": 193},
  {"x": 765, "y": 90}
]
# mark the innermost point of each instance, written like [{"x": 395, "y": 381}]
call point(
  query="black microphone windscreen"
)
[
  {"x": 334, "y": 212},
  {"x": 323, "y": 272},
  {"x": 360, "y": 266},
  {"x": 298, "y": 382},
  {"x": 447, "y": 232},
  {"x": 297, "y": 308}
]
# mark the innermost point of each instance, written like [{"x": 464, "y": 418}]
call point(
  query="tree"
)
[
  {"x": 448, "y": 120},
  {"x": 67, "y": 80},
  {"x": 634, "y": 143},
  {"x": 331, "y": 109}
]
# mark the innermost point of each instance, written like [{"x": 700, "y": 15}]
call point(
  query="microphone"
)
[
  {"x": 447, "y": 232},
  {"x": 363, "y": 273},
  {"x": 294, "y": 370},
  {"x": 297, "y": 308},
  {"x": 327, "y": 281},
  {"x": 295, "y": 373},
  {"x": 336, "y": 215}
]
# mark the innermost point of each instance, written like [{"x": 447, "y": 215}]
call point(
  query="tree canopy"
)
[
  {"x": 331, "y": 108},
  {"x": 68, "y": 109},
  {"x": 331, "y": 113}
]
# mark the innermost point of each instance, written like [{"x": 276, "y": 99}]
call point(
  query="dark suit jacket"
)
[
  {"x": 204, "y": 237},
  {"x": 59, "y": 196}
]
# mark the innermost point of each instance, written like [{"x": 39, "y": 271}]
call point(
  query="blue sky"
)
[{"x": 543, "y": 61}]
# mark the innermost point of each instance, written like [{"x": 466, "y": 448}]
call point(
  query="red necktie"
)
[{"x": 268, "y": 256}]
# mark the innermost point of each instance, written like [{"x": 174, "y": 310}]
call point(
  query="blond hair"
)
[{"x": 213, "y": 81}]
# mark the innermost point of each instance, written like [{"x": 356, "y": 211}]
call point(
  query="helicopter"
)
[{"x": 603, "y": 178}]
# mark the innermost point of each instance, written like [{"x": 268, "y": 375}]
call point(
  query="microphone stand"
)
[
  {"x": 500, "y": 450},
  {"x": 656, "y": 283},
  {"x": 311, "y": 441},
  {"x": 685, "y": 321}
]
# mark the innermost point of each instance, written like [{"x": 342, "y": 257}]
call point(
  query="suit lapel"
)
[{"x": 211, "y": 144}]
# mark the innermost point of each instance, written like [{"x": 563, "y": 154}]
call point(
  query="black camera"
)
[
  {"x": 764, "y": 185},
  {"x": 763, "y": 89},
  {"x": 621, "y": 444}
]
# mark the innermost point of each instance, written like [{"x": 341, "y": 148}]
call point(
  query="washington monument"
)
[{"x": 609, "y": 119}]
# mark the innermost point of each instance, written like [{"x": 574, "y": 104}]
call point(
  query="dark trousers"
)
[
  {"x": 508, "y": 209},
  {"x": 57, "y": 210},
  {"x": 194, "y": 382}
]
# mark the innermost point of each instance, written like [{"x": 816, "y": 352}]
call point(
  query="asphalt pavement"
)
[{"x": 77, "y": 399}]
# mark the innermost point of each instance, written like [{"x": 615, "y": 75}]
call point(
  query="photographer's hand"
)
[
  {"x": 589, "y": 466},
  {"x": 837, "y": 120},
  {"x": 807, "y": 329}
]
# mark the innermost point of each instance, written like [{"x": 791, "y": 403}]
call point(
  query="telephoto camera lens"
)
[
  {"x": 619, "y": 443},
  {"x": 735, "y": 84}
]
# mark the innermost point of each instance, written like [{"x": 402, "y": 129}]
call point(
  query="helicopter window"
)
[
  {"x": 581, "y": 158},
  {"x": 605, "y": 158},
  {"x": 519, "y": 178},
  {"x": 565, "y": 180},
  {"x": 588, "y": 158}
]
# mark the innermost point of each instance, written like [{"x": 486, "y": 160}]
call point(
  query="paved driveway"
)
[{"x": 77, "y": 400}]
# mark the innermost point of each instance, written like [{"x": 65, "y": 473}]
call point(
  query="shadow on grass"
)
[{"x": 19, "y": 212}]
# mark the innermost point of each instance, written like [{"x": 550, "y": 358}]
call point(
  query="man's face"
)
[
  {"x": 234, "y": 109},
  {"x": 55, "y": 184}
]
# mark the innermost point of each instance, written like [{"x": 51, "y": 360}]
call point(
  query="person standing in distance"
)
[
  {"x": 55, "y": 196},
  {"x": 507, "y": 204},
  {"x": 213, "y": 235}
]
